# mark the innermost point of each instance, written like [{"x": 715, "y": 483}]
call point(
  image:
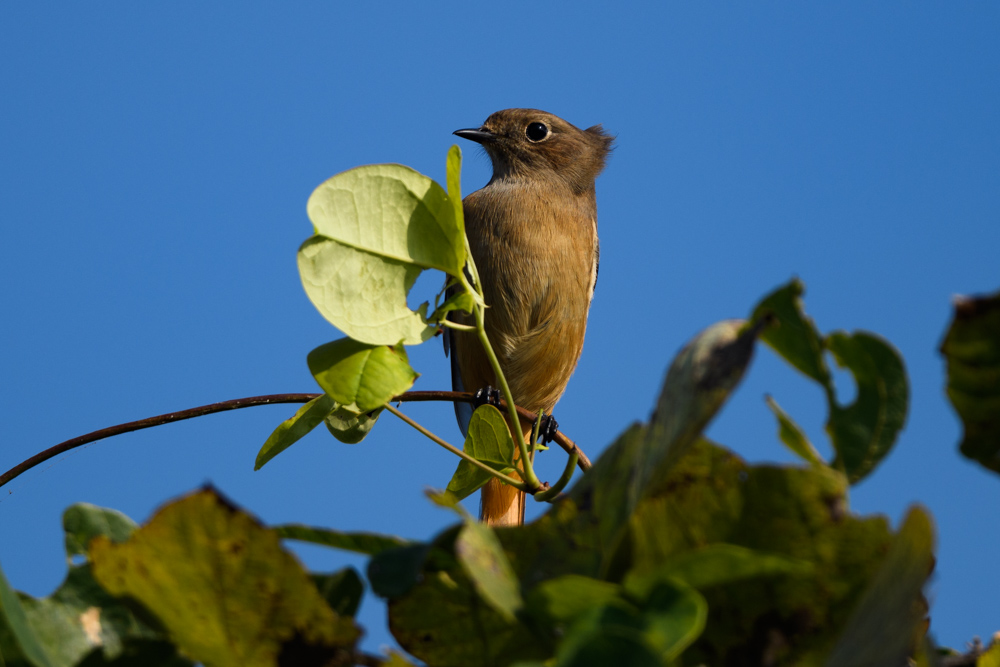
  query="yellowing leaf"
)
[{"x": 221, "y": 584}]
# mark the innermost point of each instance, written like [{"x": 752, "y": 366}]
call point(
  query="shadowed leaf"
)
[
  {"x": 793, "y": 437},
  {"x": 362, "y": 543},
  {"x": 342, "y": 590},
  {"x": 293, "y": 429},
  {"x": 794, "y": 337},
  {"x": 972, "y": 350},
  {"x": 83, "y": 521},
  {"x": 864, "y": 431},
  {"x": 886, "y": 625},
  {"x": 349, "y": 427},
  {"x": 485, "y": 563},
  {"x": 489, "y": 441}
]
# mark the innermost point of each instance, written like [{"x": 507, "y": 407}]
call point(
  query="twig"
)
[{"x": 238, "y": 403}]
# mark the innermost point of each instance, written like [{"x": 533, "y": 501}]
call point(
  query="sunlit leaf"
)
[
  {"x": 362, "y": 294},
  {"x": 350, "y": 427},
  {"x": 290, "y": 431},
  {"x": 222, "y": 586},
  {"x": 460, "y": 300},
  {"x": 885, "y": 626},
  {"x": 793, "y": 436},
  {"x": 453, "y": 178},
  {"x": 488, "y": 441},
  {"x": 358, "y": 376},
  {"x": 392, "y": 211},
  {"x": 362, "y": 543},
  {"x": 972, "y": 350}
]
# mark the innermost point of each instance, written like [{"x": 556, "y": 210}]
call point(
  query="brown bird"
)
[{"x": 533, "y": 234}]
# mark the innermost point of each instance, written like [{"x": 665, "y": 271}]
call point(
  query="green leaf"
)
[
  {"x": 865, "y": 431},
  {"x": 362, "y": 543},
  {"x": 358, "y": 376},
  {"x": 83, "y": 522},
  {"x": 453, "y": 178},
  {"x": 362, "y": 294},
  {"x": 290, "y": 431},
  {"x": 222, "y": 586},
  {"x": 793, "y": 437},
  {"x": 714, "y": 565},
  {"x": 794, "y": 336},
  {"x": 991, "y": 658},
  {"x": 565, "y": 599},
  {"x": 664, "y": 624},
  {"x": 19, "y": 645},
  {"x": 797, "y": 514},
  {"x": 488, "y": 441},
  {"x": 607, "y": 645},
  {"x": 461, "y": 300},
  {"x": 393, "y": 572},
  {"x": 972, "y": 350},
  {"x": 349, "y": 427},
  {"x": 700, "y": 379},
  {"x": 342, "y": 590},
  {"x": 886, "y": 624},
  {"x": 485, "y": 563},
  {"x": 139, "y": 653},
  {"x": 674, "y": 616},
  {"x": 392, "y": 211}
]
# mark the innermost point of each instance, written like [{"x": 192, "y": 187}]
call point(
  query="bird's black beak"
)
[{"x": 480, "y": 136}]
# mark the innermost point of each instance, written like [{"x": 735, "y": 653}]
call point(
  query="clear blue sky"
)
[{"x": 155, "y": 164}]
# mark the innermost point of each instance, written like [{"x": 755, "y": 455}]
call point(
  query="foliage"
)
[{"x": 671, "y": 550}]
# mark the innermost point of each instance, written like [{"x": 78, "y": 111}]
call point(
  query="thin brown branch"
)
[{"x": 239, "y": 403}]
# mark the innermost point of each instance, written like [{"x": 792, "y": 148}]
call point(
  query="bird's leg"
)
[
  {"x": 486, "y": 396},
  {"x": 547, "y": 429}
]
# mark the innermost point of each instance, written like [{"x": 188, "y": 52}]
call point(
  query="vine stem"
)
[
  {"x": 456, "y": 451},
  {"x": 529, "y": 471},
  {"x": 239, "y": 403}
]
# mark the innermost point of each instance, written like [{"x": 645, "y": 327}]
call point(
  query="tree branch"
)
[{"x": 239, "y": 403}]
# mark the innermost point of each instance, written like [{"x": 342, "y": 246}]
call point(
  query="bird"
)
[{"x": 532, "y": 232}]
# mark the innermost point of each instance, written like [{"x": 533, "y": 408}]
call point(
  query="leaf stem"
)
[
  {"x": 529, "y": 472},
  {"x": 457, "y": 326},
  {"x": 567, "y": 475},
  {"x": 458, "y": 452}
]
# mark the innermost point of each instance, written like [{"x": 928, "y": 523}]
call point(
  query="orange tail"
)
[{"x": 501, "y": 504}]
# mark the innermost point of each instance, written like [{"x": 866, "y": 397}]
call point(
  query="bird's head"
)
[{"x": 533, "y": 143}]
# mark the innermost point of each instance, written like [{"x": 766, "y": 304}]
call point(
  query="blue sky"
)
[{"x": 155, "y": 164}]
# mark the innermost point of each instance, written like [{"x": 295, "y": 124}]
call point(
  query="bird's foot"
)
[
  {"x": 486, "y": 396},
  {"x": 547, "y": 429}
]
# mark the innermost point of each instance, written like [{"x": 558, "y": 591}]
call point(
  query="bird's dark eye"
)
[{"x": 536, "y": 131}]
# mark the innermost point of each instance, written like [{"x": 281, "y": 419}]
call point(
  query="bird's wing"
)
[{"x": 463, "y": 411}]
